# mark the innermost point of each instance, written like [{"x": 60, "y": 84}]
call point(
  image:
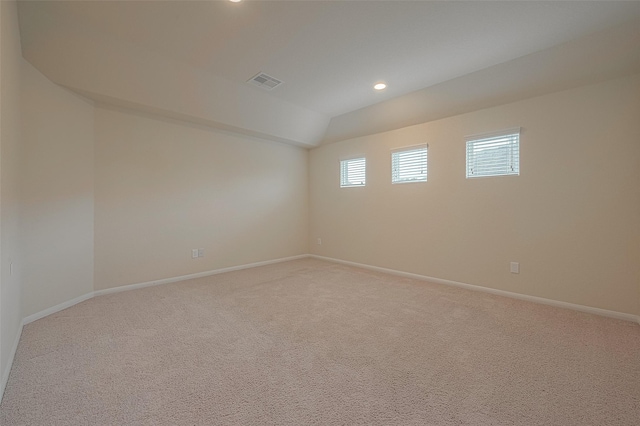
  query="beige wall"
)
[
  {"x": 10, "y": 312},
  {"x": 164, "y": 188},
  {"x": 571, "y": 218},
  {"x": 57, "y": 193}
]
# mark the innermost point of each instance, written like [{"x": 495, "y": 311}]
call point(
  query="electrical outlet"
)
[
  {"x": 194, "y": 253},
  {"x": 515, "y": 267},
  {"x": 319, "y": 241}
]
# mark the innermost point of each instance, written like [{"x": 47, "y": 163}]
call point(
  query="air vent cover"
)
[{"x": 265, "y": 81}]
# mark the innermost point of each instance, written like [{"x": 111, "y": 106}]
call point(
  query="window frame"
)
[
  {"x": 512, "y": 150},
  {"x": 344, "y": 178},
  {"x": 406, "y": 149}
]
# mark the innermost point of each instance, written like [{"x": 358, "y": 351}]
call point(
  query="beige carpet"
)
[{"x": 310, "y": 342}]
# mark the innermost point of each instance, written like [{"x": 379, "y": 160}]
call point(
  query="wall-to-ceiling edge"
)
[
  {"x": 580, "y": 62},
  {"x": 142, "y": 85}
]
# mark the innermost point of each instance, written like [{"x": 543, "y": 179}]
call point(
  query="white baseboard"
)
[
  {"x": 57, "y": 308},
  {"x": 69, "y": 303},
  {"x": 7, "y": 370},
  {"x": 535, "y": 299},
  {"x": 197, "y": 275}
]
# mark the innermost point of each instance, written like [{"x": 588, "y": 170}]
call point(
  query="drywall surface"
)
[
  {"x": 164, "y": 188},
  {"x": 584, "y": 61},
  {"x": 113, "y": 70},
  {"x": 57, "y": 193},
  {"x": 570, "y": 219},
  {"x": 10, "y": 312}
]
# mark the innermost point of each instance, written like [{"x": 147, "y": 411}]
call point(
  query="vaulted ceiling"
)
[{"x": 191, "y": 60}]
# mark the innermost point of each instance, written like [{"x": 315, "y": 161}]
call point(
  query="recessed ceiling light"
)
[
  {"x": 235, "y": 1},
  {"x": 380, "y": 86}
]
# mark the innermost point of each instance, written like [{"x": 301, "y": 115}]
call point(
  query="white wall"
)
[
  {"x": 570, "y": 218},
  {"x": 57, "y": 193},
  {"x": 10, "y": 312},
  {"x": 164, "y": 188}
]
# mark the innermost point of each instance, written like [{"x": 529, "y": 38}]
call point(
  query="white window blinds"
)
[
  {"x": 409, "y": 165},
  {"x": 353, "y": 172},
  {"x": 497, "y": 154}
]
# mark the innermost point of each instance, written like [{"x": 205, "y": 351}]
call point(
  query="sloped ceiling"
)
[{"x": 191, "y": 60}]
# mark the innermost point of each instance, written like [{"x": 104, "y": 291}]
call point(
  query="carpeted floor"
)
[{"x": 311, "y": 342}]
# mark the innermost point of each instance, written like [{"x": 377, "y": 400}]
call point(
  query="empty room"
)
[{"x": 320, "y": 212}]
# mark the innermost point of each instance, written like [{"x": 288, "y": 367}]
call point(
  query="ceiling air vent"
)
[{"x": 264, "y": 81}]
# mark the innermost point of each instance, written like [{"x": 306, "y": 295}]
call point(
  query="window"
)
[
  {"x": 496, "y": 154},
  {"x": 353, "y": 172},
  {"x": 409, "y": 165}
]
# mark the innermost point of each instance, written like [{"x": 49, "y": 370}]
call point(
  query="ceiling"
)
[{"x": 191, "y": 60}]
